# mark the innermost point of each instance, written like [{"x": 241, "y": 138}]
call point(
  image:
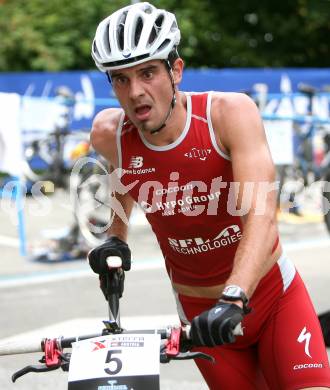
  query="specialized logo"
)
[
  {"x": 217, "y": 310},
  {"x": 192, "y": 246},
  {"x": 201, "y": 154},
  {"x": 126, "y": 53},
  {"x": 305, "y": 337},
  {"x": 136, "y": 162}
]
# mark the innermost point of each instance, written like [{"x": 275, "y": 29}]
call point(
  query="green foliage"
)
[
  {"x": 50, "y": 35},
  {"x": 56, "y": 34}
]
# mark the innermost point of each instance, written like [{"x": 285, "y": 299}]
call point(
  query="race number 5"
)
[
  {"x": 119, "y": 361},
  {"x": 113, "y": 361}
]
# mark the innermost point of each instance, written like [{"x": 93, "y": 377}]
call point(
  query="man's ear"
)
[{"x": 177, "y": 69}]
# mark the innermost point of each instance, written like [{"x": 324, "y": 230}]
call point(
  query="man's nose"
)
[{"x": 136, "y": 89}]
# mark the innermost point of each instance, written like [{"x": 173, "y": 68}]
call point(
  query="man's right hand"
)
[{"x": 113, "y": 246}]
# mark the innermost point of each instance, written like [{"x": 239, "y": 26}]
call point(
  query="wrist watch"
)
[{"x": 236, "y": 293}]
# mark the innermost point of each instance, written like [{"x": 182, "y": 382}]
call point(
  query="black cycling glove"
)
[
  {"x": 215, "y": 326},
  {"x": 113, "y": 246}
]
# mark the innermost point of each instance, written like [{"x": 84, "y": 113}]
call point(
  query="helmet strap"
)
[
  {"x": 109, "y": 78},
  {"x": 173, "y": 101}
]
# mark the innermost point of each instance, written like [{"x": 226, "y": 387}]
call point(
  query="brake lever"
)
[
  {"x": 193, "y": 355},
  {"x": 171, "y": 350},
  {"x": 32, "y": 368},
  {"x": 165, "y": 358}
]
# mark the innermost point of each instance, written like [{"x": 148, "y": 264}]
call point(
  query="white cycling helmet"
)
[{"x": 133, "y": 35}]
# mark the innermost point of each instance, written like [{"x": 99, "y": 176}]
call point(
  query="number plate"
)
[{"x": 115, "y": 362}]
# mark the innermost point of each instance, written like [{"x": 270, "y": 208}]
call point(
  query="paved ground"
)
[{"x": 63, "y": 297}]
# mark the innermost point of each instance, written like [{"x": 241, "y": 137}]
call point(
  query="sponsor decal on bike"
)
[
  {"x": 98, "y": 345},
  {"x": 112, "y": 386},
  {"x": 191, "y": 246}
]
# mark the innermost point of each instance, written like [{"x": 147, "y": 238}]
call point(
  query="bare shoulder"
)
[
  {"x": 229, "y": 104},
  {"x": 103, "y": 134},
  {"x": 235, "y": 115}
]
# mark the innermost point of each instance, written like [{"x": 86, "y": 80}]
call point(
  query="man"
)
[{"x": 200, "y": 167}]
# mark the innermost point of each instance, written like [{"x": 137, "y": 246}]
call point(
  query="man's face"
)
[{"x": 145, "y": 93}]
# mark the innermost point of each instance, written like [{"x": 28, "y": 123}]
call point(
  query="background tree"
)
[{"x": 56, "y": 34}]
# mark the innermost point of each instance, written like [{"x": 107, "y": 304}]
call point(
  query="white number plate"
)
[{"x": 115, "y": 362}]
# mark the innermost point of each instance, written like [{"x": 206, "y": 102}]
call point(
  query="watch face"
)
[{"x": 233, "y": 291}]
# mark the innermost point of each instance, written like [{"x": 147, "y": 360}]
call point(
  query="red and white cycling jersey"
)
[
  {"x": 188, "y": 196},
  {"x": 187, "y": 192}
]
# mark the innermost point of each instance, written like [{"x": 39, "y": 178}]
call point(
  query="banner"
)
[
  {"x": 10, "y": 135},
  {"x": 92, "y": 91}
]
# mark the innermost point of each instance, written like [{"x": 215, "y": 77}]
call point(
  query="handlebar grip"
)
[
  {"x": 15, "y": 347},
  {"x": 114, "y": 262},
  {"x": 238, "y": 331}
]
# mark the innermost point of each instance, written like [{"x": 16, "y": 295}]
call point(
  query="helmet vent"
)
[
  {"x": 164, "y": 44},
  {"x": 174, "y": 26},
  {"x": 155, "y": 29},
  {"x": 159, "y": 21},
  {"x": 107, "y": 41},
  {"x": 95, "y": 50},
  {"x": 120, "y": 30},
  {"x": 138, "y": 29}
]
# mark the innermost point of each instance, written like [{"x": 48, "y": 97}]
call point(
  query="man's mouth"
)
[{"x": 142, "y": 112}]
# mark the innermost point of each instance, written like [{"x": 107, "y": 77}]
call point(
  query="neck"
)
[{"x": 174, "y": 126}]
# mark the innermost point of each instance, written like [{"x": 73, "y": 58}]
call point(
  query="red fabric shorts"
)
[{"x": 282, "y": 346}]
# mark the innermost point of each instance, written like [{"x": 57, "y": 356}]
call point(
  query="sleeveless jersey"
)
[{"x": 186, "y": 191}]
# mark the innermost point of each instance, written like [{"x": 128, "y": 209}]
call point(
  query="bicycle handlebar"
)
[
  {"x": 38, "y": 345},
  {"x": 177, "y": 344}
]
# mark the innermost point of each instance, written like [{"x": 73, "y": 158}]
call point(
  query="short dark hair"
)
[{"x": 173, "y": 55}]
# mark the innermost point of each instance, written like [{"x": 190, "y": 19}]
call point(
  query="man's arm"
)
[
  {"x": 239, "y": 131},
  {"x": 103, "y": 140}
]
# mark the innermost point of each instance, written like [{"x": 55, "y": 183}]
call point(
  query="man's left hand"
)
[{"x": 215, "y": 326}]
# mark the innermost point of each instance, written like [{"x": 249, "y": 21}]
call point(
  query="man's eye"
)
[
  {"x": 147, "y": 74},
  {"x": 120, "y": 80}
]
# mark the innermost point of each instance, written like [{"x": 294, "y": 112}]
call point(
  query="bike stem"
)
[{"x": 115, "y": 287}]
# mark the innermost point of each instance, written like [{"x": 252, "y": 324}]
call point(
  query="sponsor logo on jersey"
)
[
  {"x": 192, "y": 246},
  {"x": 171, "y": 190},
  {"x": 135, "y": 167},
  {"x": 136, "y": 162},
  {"x": 201, "y": 154},
  {"x": 186, "y": 203}
]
